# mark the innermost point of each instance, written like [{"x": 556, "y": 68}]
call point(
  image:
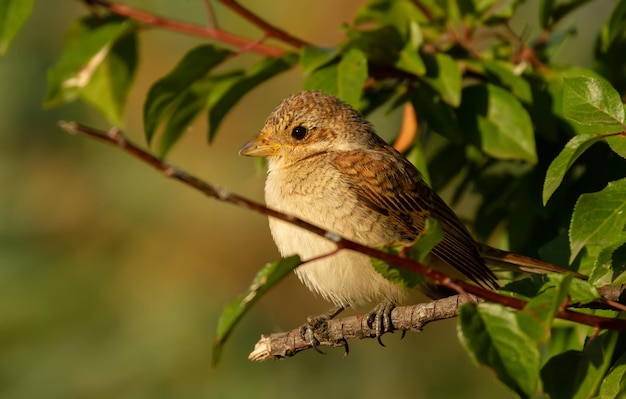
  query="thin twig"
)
[
  {"x": 268, "y": 28},
  {"x": 213, "y": 33},
  {"x": 115, "y": 137}
]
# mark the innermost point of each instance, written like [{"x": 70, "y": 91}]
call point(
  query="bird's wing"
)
[{"x": 390, "y": 185}]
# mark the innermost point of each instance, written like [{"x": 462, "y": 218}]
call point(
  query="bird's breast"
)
[{"x": 322, "y": 198}]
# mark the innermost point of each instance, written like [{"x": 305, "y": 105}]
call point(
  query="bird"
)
[{"x": 327, "y": 165}]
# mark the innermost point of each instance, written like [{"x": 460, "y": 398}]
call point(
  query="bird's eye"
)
[{"x": 299, "y": 132}]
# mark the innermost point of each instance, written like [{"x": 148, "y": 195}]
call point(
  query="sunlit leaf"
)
[
  {"x": 265, "y": 279},
  {"x": 110, "y": 84},
  {"x": 351, "y": 75},
  {"x": 614, "y": 384},
  {"x": 492, "y": 334},
  {"x": 87, "y": 48},
  {"x": 323, "y": 79},
  {"x": 589, "y": 101},
  {"x": 13, "y": 14},
  {"x": 598, "y": 218}
]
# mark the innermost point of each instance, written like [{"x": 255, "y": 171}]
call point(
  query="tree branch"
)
[
  {"x": 213, "y": 33},
  {"x": 115, "y": 137},
  {"x": 337, "y": 332},
  {"x": 269, "y": 29}
]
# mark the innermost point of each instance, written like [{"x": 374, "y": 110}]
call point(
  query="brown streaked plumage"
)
[{"x": 326, "y": 165}]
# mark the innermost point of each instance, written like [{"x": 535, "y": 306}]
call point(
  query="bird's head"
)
[{"x": 307, "y": 124}]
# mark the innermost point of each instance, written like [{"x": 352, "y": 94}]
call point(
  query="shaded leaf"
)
[
  {"x": 194, "y": 65},
  {"x": 537, "y": 316},
  {"x": 613, "y": 29},
  {"x": 85, "y": 51},
  {"x": 313, "y": 57},
  {"x": 498, "y": 122},
  {"x": 399, "y": 13},
  {"x": 578, "y": 374},
  {"x": 444, "y": 75},
  {"x": 491, "y": 333},
  {"x": 440, "y": 116},
  {"x": 610, "y": 264},
  {"x": 589, "y": 101},
  {"x": 429, "y": 237},
  {"x": 566, "y": 158},
  {"x": 503, "y": 72},
  {"x": 599, "y": 218},
  {"x": 221, "y": 101},
  {"x": 351, "y": 76},
  {"x": 410, "y": 61},
  {"x": 265, "y": 279},
  {"x": 13, "y": 15}
]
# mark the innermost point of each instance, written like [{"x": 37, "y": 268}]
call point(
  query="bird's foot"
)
[
  {"x": 379, "y": 319},
  {"x": 316, "y": 323}
]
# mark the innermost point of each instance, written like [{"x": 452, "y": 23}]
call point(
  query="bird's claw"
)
[
  {"x": 317, "y": 323},
  {"x": 379, "y": 319}
]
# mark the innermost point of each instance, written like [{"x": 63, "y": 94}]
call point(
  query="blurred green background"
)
[{"x": 112, "y": 277}]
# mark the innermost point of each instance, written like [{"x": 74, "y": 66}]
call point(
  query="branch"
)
[
  {"x": 269, "y": 29},
  {"x": 337, "y": 332},
  {"x": 213, "y": 33},
  {"x": 115, "y": 137}
]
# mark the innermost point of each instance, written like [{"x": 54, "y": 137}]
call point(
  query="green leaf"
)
[
  {"x": 566, "y": 158},
  {"x": 492, "y": 335},
  {"x": 498, "y": 122},
  {"x": 194, "y": 66},
  {"x": 599, "y": 218},
  {"x": 537, "y": 316},
  {"x": 444, "y": 75},
  {"x": 578, "y": 374},
  {"x": 610, "y": 264},
  {"x": 545, "y": 11},
  {"x": 440, "y": 116},
  {"x": 613, "y": 29},
  {"x": 504, "y": 73},
  {"x": 428, "y": 238},
  {"x": 323, "y": 79},
  {"x": 351, "y": 76},
  {"x": 590, "y": 101},
  {"x": 614, "y": 384},
  {"x": 313, "y": 57},
  {"x": 13, "y": 14},
  {"x": 265, "y": 279},
  {"x": 618, "y": 144},
  {"x": 108, "y": 88},
  {"x": 84, "y": 53},
  {"x": 410, "y": 61},
  {"x": 221, "y": 101},
  {"x": 399, "y": 13}
]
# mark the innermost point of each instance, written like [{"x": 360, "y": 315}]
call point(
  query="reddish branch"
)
[
  {"x": 269, "y": 29},
  {"x": 191, "y": 29},
  {"x": 115, "y": 137}
]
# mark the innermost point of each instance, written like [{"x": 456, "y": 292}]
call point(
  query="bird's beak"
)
[{"x": 259, "y": 147}]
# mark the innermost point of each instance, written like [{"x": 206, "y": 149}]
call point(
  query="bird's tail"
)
[{"x": 507, "y": 261}]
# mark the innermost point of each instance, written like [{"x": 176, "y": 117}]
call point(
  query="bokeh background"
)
[{"x": 112, "y": 276}]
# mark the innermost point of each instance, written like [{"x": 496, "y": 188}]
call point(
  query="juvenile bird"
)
[{"x": 327, "y": 165}]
